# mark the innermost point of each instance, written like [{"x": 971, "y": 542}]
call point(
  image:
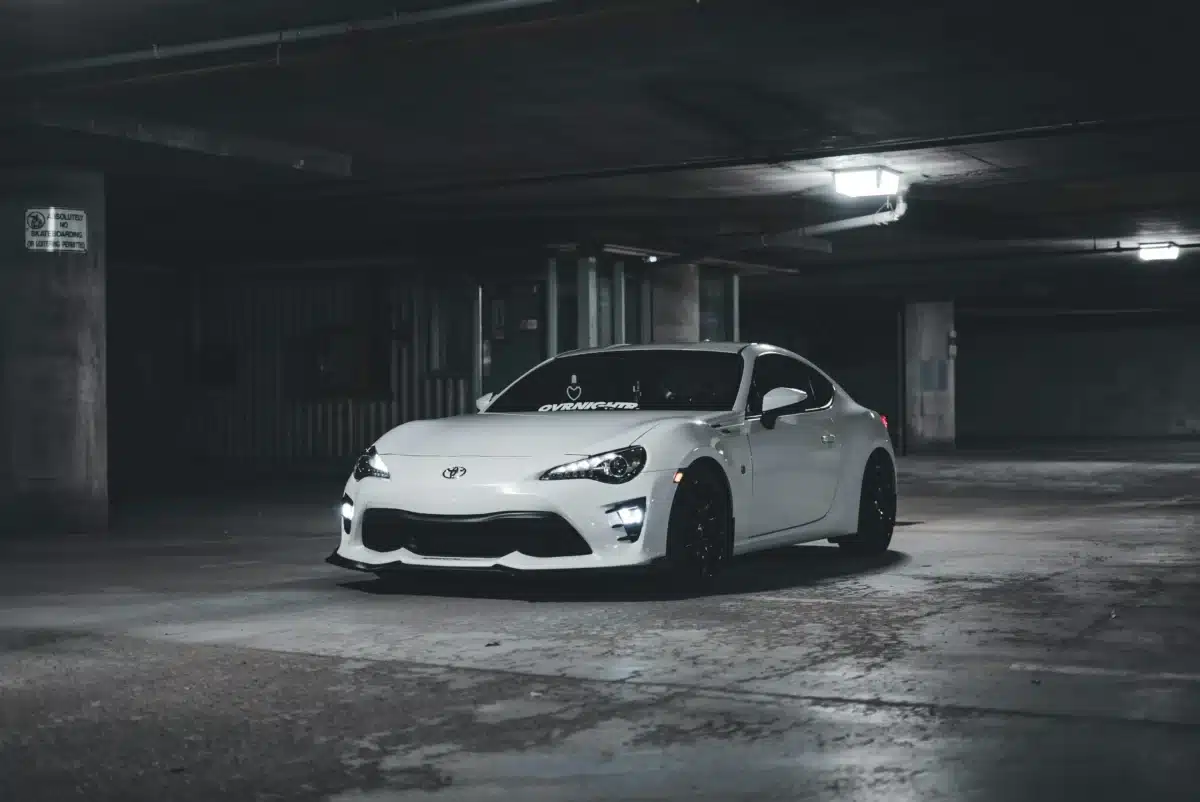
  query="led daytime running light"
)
[
  {"x": 612, "y": 467},
  {"x": 370, "y": 464}
]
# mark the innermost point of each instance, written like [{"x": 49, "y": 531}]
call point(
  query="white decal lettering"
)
[{"x": 588, "y": 406}]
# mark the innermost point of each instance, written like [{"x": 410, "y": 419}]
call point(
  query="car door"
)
[
  {"x": 795, "y": 462},
  {"x": 822, "y": 471}
]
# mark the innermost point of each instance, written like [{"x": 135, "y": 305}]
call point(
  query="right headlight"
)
[
  {"x": 611, "y": 467},
  {"x": 370, "y": 464}
]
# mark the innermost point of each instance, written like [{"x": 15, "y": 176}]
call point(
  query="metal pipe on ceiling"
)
[
  {"x": 804, "y": 238},
  {"x": 881, "y": 218},
  {"x": 643, "y": 253},
  {"x": 399, "y": 19},
  {"x": 652, "y": 256},
  {"x": 1055, "y": 312}
]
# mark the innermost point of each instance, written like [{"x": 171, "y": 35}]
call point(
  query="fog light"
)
[
  {"x": 631, "y": 516},
  {"x": 628, "y": 516},
  {"x": 347, "y": 514}
]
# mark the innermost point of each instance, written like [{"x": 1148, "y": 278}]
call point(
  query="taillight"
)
[{"x": 883, "y": 418}]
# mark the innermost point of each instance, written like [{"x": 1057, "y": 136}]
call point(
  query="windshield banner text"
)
[{"x": 583, "y": 406}]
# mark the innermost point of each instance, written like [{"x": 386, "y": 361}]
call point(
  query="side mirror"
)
[
  {"x": 484, "y": 401},
  {"x": 778, "y": 401}
]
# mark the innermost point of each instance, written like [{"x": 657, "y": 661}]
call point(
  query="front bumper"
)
[
  {"x": 401, "y": 566},
  {"x": 505, "y": 488}
]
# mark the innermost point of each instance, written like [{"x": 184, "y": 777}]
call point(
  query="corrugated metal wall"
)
[
  {"x": 263, "y": 320},
  {"x": 148, "y": 387}
]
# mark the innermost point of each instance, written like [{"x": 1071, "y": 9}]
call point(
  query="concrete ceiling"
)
[{"x": 667, "y": 123}]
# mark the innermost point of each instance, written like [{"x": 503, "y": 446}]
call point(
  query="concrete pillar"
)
[
  {"x": 735, "y": 307},
  {"x": 552, "y": 308},
  {"x": 585, "y": 294},
  {"x": 676, "y": 304},
  {"x": 929, "y": 356},
  {"x": 53, "y": 414},
  {"x": 620, "y": 336},
  {"x": 646, "y": 305}
]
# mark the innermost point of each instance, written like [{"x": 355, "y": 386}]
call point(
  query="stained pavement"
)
[{"x": 1034, "y": 634}]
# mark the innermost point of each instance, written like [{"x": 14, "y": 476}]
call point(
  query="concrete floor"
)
[{"x": 1034, "y": 635}]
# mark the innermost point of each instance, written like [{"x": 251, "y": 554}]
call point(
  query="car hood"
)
[{"x": 512, "y": 434}]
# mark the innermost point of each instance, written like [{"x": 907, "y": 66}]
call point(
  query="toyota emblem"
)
[{"x": 456, "y": 472}]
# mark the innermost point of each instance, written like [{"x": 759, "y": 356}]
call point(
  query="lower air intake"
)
[{"x": 534, "y": 534}]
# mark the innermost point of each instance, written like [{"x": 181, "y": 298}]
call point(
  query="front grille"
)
[{"x": 535, "y": 534}]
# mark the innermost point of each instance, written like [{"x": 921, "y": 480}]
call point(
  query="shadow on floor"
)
[{"x": 775, "y": 570}]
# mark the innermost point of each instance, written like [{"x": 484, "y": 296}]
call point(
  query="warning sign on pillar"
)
[{"x": 56, "y": 230}]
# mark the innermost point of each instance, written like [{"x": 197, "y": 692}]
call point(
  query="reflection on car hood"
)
[{"x": 519, "y": 434}]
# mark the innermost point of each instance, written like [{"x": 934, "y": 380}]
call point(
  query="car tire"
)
[
  {"x": 876, "y": 510},
  {"x": 699, "y": 531}
]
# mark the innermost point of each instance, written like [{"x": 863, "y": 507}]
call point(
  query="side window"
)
[
  {"x": 776, "y": 370},
  {"x": 822, "y": 391}
]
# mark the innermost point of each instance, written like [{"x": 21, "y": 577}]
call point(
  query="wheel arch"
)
[
  {"x": 877, "y": 454},
  {"x": 710, "y": 463},
  {"x": 880, "y": 453},
  {"x": 850, "y": 487},
  {"x": 707, "y": 462}
]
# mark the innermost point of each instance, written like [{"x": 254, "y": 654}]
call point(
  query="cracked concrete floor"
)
[{"x": 1035, "y": 634}]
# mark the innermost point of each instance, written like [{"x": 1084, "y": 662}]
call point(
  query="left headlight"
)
[
  {"x": 370, "y": 464},
  {"x": 612, "y": 467}
]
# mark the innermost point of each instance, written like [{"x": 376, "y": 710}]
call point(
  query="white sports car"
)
[{"x": 677, "y": 456}]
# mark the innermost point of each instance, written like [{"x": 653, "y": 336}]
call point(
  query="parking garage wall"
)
[
  {"x": 856, "y": 342},
  {"x": 272, "y": 370},
  {"x": 1067, "y": 375}
]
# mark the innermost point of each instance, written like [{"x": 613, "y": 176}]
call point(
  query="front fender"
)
[{"x": 675, "y": 447}]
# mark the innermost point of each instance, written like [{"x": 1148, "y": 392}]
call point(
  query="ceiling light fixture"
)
[
  {"x": 1158, "y": 251},
  {"x": 871, "y": 182}
]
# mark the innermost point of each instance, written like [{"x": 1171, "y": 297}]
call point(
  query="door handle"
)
[{"x": 828, "y": 439}]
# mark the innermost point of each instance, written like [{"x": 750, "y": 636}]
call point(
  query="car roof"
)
[{"x": 713, "y": 346}]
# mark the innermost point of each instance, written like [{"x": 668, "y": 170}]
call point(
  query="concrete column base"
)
[
  {"x": 929, "y": 377},
  {"x": 53, "y": 392},
  {"x": 54, "y": 511}
]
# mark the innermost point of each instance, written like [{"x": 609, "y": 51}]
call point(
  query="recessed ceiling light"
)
[
  {"x": 866, "y": 183},
  {"x": 1158, "y": 251}
]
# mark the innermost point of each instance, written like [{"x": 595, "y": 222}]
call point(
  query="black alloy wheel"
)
[
  {"x": 699, "y": 531},
  {"x": 876, "y": 510}
]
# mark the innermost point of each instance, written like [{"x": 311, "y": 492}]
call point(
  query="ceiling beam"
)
[
  {"x": 186, "y": 138},
  {"x": 729, "y": 246},
  {"x": 282, "y": 37},
  {"x": 1111, "y": 273},
  {"x": 880, "y": 147}
]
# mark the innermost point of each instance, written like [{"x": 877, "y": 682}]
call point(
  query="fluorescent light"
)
[
  {"x": 1158, "y": 251},
  {"x": 866, "y": 183}
]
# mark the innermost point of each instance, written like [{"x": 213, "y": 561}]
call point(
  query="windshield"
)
[{"x": 617, "y": 380}]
